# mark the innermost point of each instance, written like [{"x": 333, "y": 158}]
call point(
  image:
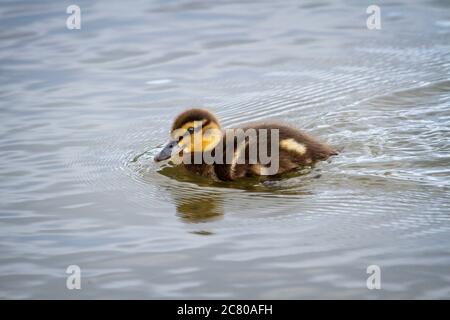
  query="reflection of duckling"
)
[
  {"x": 197, "y": 132},
  {"x": 199, "y": 208}
]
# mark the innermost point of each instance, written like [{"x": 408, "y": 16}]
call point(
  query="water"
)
[{"x": 83, "y": 112}]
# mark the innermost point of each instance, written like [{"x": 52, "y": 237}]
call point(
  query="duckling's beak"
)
[{"x": 166, "y": 152}]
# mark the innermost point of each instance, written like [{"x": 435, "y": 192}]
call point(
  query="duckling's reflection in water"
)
[
  {"x": 196, "y": 208},
  {"x": 206, "y": 203}
]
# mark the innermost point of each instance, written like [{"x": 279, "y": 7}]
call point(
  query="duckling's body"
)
[{"x": 235, "y": 157}]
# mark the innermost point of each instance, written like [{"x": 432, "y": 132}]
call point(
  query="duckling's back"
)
[{"x": 295, "y": 149}]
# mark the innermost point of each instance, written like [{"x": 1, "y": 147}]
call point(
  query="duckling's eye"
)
[{"x": 191, "y": 130}]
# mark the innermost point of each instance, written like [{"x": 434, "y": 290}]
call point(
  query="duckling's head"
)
[{"x": 194, "y": 130}]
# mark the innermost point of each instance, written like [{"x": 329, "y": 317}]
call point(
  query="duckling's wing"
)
[{"x": 298, "y": 142}]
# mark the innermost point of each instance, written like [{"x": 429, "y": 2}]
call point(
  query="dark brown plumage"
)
[
  {"x": 194, "y": 114},
  {"x": 289, "y": 159}
]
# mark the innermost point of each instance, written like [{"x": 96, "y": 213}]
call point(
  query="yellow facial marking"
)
[
  {"x": 201, "y": 140},
  {"x": 292, "y": 145},
  {"x": 211, "y": 137}
]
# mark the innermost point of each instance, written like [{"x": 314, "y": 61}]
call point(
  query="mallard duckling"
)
[{"x": 200, "y": 145}]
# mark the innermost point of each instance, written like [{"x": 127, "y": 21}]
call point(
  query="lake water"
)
[{"x": 83, "y": 112}]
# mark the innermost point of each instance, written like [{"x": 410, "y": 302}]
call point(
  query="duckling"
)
[{"x": 199, "y": 144}]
